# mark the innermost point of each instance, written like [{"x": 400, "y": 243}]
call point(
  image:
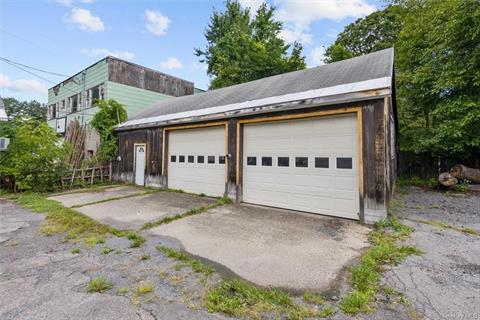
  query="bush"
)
[{"x": 35, "y": 157}]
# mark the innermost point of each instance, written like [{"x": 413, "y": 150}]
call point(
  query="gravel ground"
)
[{"x": 40, "y": 278}]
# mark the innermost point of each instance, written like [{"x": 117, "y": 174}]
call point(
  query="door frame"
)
[
  {"x": 305, "y": 115},
  {"x": 166, "y": 141},
  {"x": 135, "y": 161}
]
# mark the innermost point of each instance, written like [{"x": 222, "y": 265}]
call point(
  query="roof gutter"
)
[{"x": 358, "y": 91}]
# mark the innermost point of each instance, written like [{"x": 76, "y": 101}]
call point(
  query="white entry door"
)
[
  {"x": 307, "y": 165},
  {"x": 197, "y": 160},
  {"x": 140, "y": 150}
]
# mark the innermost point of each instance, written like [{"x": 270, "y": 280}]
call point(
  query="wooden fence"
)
[
  {"x": 426, "y": 166},
  {"x": 84, "y": 176}
]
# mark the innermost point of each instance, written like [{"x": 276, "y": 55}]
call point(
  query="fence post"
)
[
  {"x": 93, "y": 174},
  {"x": 110, "y": 171}
]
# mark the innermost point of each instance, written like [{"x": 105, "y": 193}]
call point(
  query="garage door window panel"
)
[
  {"x": 283, "y": 162},
  {"x": 211, "y": 159},
  {"x": 322, "y": 162},
  {"x": 181, "y": 159},
  {"x": 344, "y": 163},
  {"x": 173, "y": 158},
  {"x": 266, "y": 161},
  {"x": 191, "y": 159},
  {"x": 301, "y": 162},
  {"x": 251, "y": 161},
  {"x": 200, "y": 159},
  {"x": 221, "y": 159}
]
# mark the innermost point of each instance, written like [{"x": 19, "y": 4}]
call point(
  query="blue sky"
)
[{"x": 65, "y": 36}]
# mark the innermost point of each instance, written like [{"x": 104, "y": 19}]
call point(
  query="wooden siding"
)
[
  {"x": 140, "y": 77},
  {"x": 124, "y": 170},
  {"x": 378, "y": 169}
]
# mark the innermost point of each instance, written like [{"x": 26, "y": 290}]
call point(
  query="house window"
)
[
  {"x": 53, "y": 111},
  {"x": 191, "y": 159},
  {"x": 181, "y": 158},
  {"x": 74, "y": 102},
  {"x": 173, "y": 158},
  {"x": 251, "y": 161},
  {"x": 95, "y": 93},
  {"x": 221, "y": 159},
  {"x": 321, "y": 162},
  {"x": 211, "y": 159},
  {"x": 283, "y": 161},
  {"x": 200, "y": 159},
  {"x": 344, "y": 163},
  {"x": 301, "y": 162},
  {"x": 267, "y": 161}
]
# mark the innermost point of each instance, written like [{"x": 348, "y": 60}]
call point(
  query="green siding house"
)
[{"x": 110, "y": 78}]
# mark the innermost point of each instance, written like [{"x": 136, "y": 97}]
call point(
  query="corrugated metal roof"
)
[{"x": 377, "y": 65}]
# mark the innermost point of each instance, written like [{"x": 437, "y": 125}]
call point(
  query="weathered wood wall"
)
[
  {"x": 140, "y": 77},
  {"x": 124, "y": 170}
]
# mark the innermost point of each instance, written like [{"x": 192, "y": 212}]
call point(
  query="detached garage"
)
[{"x": 320, "y": 140}]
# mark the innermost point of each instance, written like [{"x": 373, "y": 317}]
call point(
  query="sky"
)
[{"x": 66, "y": 36}]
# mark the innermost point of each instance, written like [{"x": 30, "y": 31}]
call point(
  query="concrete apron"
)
[{"x": 272, "y": 247}]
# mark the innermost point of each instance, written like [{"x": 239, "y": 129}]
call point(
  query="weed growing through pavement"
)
[{"x": 99, "y": 284}]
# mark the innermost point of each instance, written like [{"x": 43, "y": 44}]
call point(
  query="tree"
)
[
  {"x": 110, "y": 114},
  {"x": 243, "y": 48},
  {"x": 374, "y": 32},
  {"x": 23, "y": 109},
  {"x": 35, "y": 157},
  {"x": 438, "y": 62}
]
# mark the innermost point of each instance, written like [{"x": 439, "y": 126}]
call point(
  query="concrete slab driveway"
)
[
  {"x": 71, "y": 199},
  {"x": 272, "y": 247},
  {"x": 131, "y": 212}
]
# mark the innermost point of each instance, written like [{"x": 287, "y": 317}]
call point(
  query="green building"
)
[{"x": 133, "y": 85}]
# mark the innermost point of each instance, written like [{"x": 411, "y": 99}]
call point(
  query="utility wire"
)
[
  {"x": 33, "y": 68},
  {"x": 36, "y": 75}
]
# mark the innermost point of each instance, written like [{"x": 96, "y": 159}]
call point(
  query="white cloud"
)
[
  {"x": 103, "y": 52},
  {"x": 318, "y": 55},
  {"x": 85, "y": 20},
  {"x": 67, "y": 3},
  {"x": 298, "y": 15},
  {"x": 23, "y": 85},
  {"x": 252, "y": 4},
  {"x": 296, "y": 32},
  {"x": 157, "y": 23},
  {"x": 171, "y": 63}
]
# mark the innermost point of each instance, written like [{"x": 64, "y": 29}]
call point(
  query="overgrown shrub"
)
[
  {"x": 110, "y": 114},
  {"x": 36, "y": 158}
]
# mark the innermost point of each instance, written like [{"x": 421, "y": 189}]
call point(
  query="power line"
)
[
  {"x": 33, "y": 68},
  {"x": 36, "y": 75}
]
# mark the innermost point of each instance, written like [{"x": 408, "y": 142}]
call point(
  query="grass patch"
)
[
  {"x": 145, "y": 257},
  {"x": 99, "y": 284},
  {"x": 384, "y": 251},
  {"x": 431, "y": 183},
  {"x": 143, "y": 288},
  {"x": 122, "y": 291},
  {"x": 313, "y": 298},
  {"x": 106, "y": 250},
  {"x": 444, "y": 225},
  {"x": 66, "y": 220},
  {"x": 240, "y": 299},
  {"x": 185, "y": 260},
  {"x": 76, "y": 250},
  {"x": 191, "y": 212}
]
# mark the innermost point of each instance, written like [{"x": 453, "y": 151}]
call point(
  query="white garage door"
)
[
  {"x": 197, "y": 160},
  {"x": 308, "y": 165}
]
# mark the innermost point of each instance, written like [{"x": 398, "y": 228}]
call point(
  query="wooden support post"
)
[
  {"x": 110, "y": 172},
  {"x": 101, "y": 174},
  {"x": 93, "y": 175},
  {"x": 73, "y": 177}
]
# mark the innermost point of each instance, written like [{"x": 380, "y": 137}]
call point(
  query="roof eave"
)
[{"x": 276, "y": 107}]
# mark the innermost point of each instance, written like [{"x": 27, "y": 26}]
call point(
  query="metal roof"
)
[{"x": 341, "y": 77}]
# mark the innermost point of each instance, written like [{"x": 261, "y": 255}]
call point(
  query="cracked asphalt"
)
[
  {"x": 40, "y": 278},
  {"x": 444, "y": 282}
]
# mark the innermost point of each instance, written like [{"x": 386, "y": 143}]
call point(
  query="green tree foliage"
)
[
  {"x": 243, "y": 48},
  {"x": 25, "y": 109},
  {"x": 376, "y": 31},
  {"x": 437, "y": 57},
  {"x": 110, "y": 114},
  {"x": 35, "y": 157}
]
